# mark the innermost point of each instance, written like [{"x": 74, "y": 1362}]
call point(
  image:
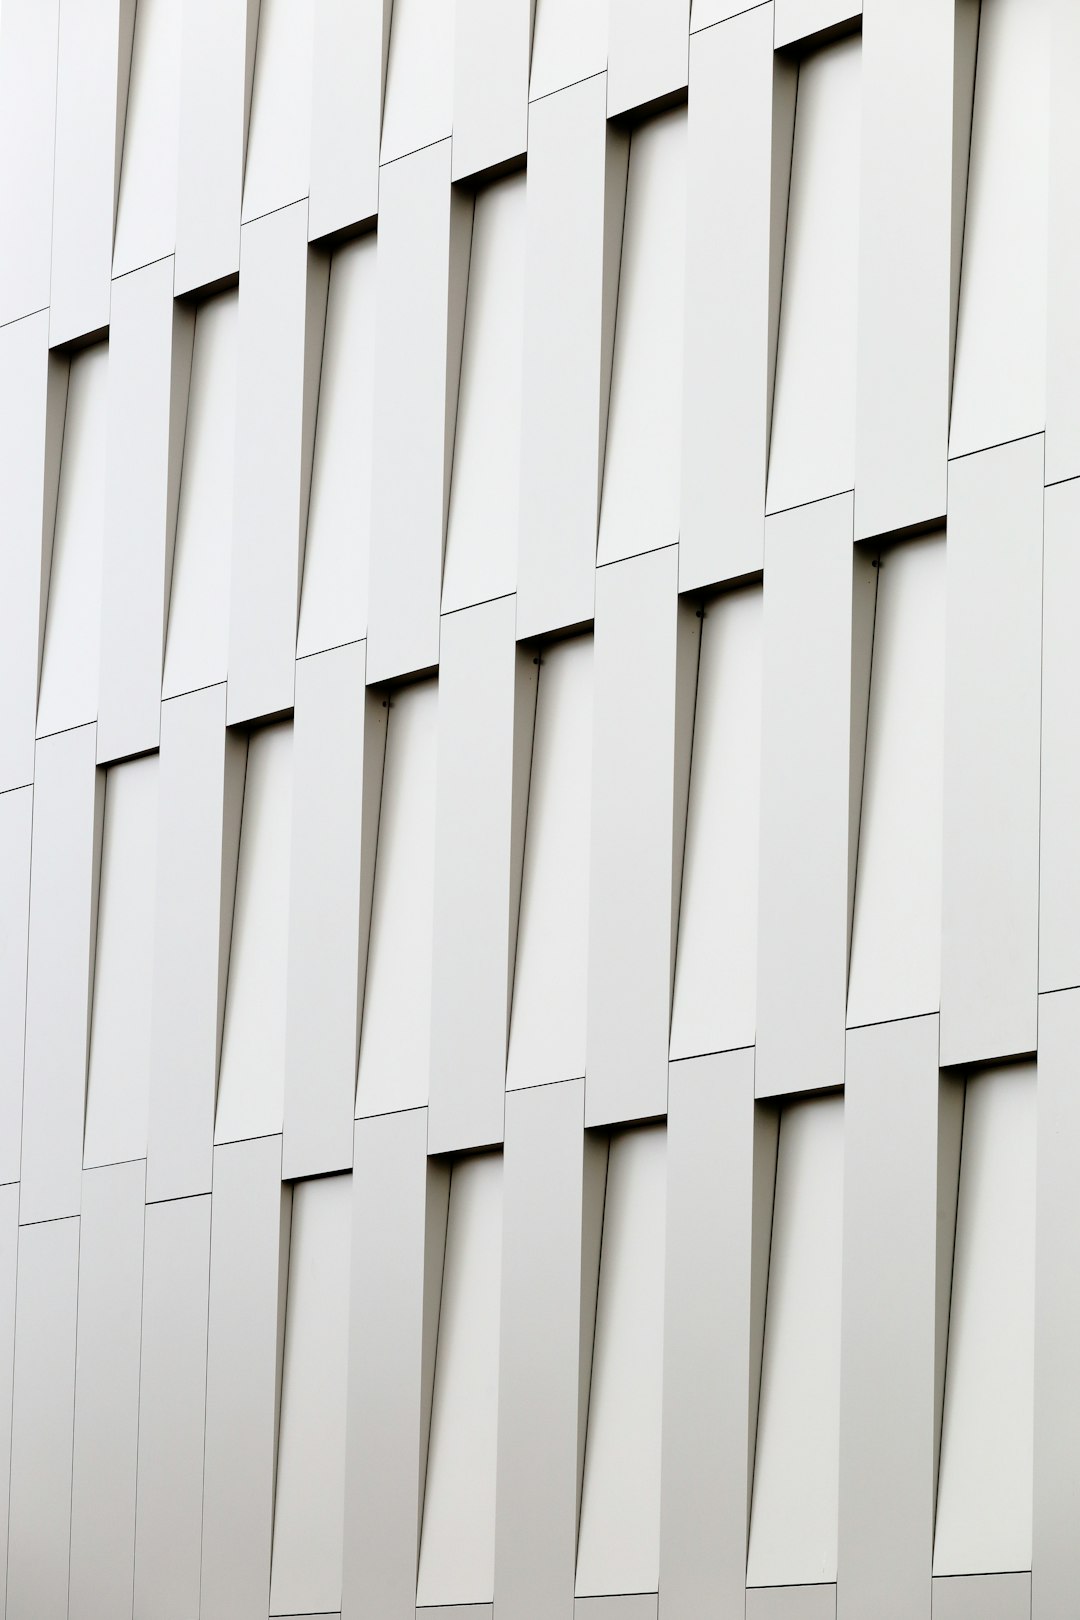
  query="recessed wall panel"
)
[
  {"x": 118, "y": 1083},
  {"x": 985, "y": 1484},
  {"x": 149, "y": 169},
  {"x": 999, "y": 379},
  {"x": 28, "y": 53},
  {"x": 308, "y": 1519},
  {"x": 812, "y": 445},
  {"x": 68, "y": 693},
  {"x": 278, "y": 159},
  {"x": 395, "y": 1034},
  {"x": 334, "y": 599},
  {"x": 569, "y": 44},
  {"x": 197, "y": 640},
  {"x": 619, "y": 1535},
  {"x": 252, "y": 1080},
  {"x": 639, "y": 508},
  {"x": 793, "y": 1520},
  {"x": 714, "y": 1004},
  {"x": 548, "y": 1015},
  {"x": 896, "y": 928},
  {"x": 457, "y": 1543},
  {"x": 482, "y": 525}
]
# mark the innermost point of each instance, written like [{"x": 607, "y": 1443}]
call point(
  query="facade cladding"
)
[{"x": 539, "y": 809}]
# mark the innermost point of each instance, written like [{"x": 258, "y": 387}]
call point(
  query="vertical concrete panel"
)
[
  {"x": 348, "y": 76},
  {"x": 16, "y": 821},
  {"x": 9, "y": 1255},
  {"x": 278, "y": 160},
  {"x": 647, "y": 51},
  {"x": 1059, "y": 796},
  {"x": 1063, "y": 249},
  {"x": 28, "y": 53},
  {"x": 990, "y": 916},
  {"x": 146, "y": 203},
  {"x": 491, "y": 82}
]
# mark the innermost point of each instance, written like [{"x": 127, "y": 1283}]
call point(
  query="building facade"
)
[{"x": 539, "y": 809}]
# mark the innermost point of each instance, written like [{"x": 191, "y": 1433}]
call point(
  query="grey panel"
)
[
  {"x": 107, "y": 1391},
  {"x": 172, "y": 1409},
  {"x": 636, "y": 1606},
  {"x": 39, "y": 1519},
  {"x": 248, "y": 1262},
  {"x": 791, "y": 1602},
  {"x": 721, "y": 1166},
  {"x": 200, "y": 789},
  {"x": 983, "y": 1597},
  {"x": 68, "y": 802},
  {"x": 889, "y": 1327},
  {"x": 399, "y": 1231}
]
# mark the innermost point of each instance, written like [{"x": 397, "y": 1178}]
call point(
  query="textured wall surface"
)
[{"x": 539, "y": 809}]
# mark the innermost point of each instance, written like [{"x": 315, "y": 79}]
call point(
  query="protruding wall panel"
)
[
  {"x": 569, "y": 44},
  {"x": 16, "y": 822},
  {"x": 149, "y": 169},
  {"x": 418, "y": 104},
  {"x": 28, "y": 54},
  {"x": 347, "y": 99},
  {"x": 1059, "y": 796},
  {"x": 278, "y": 159}
]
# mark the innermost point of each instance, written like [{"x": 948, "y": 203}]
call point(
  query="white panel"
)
[
  {"x": 251, "y": 1088},
  {"x": 117, "y": 1095},
  {"x": 999, "y": 380},
  {"x": 988, "y": 1597},
  {"x": 491, "y": 82},
  {"x": 424, "y": 230},
  {"x": 569, "y": 44},
  {"x": 28, "y": 46},
  {"x": 457, "y": 1547},
  {"x": 308, "y": 1522},
  {"x": 172, "y": 1409},
  {"x": 217, "y": 57},
  {"x": 1059, "y": 852},
  {"x": 985, "y": 1482},
  {"x": 33, "y": 399},
  {"x": 149, "y": 369},
  {"x": 69, "y": 667},
  {"x": 990, "y": 850},
  {"x": 16, "y": 815},
  {"x": 896, "y": 932},
  {"x": 801, "y": 19},
  {"x": 419, "y": 105},
  {"x": 715, "y": 997},
  {"x": 547, "y": 1021},
  {"x": 1063, "y": 248},
  {"x": 9, "y": 1254},
  {"x": 812, "y": 451},
  {"x": 347, "y": 95},
  {"x": 334, "y": 601},
  {"x": 279, "y": 134},
  {"x": 396, "y": 1029},
  {"x": 647, "y": 51},
  {"x": 481, "y": 536},
  {"x": 39, "y": 1523},
  {"x": 791, "y": 1602},
  {"x": 93, "y": 59},
  {"x": 197, "y": 645},
  {"x": 146, "y": 211},
  {"x": 619, "y": 1537},
  {"x": 793, "y": 1522},
  {"x": 248, "y": 1262},
  {"x": 63, "y": 902},
  {"x": 640, "y": 506},
  {"x": 107, "y": 1392},
  {"x": 279, "y": 347}
]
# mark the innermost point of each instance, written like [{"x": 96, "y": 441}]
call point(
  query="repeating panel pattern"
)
[{"x": 539, "y": 787}]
